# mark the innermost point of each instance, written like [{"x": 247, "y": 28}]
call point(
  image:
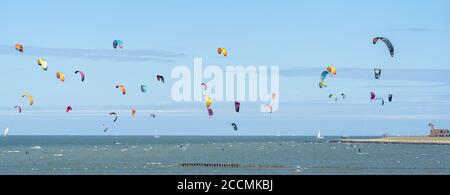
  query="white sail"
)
[
  {"x": 5, "y": 132},
  {"x": 319, "y": 136},
  {"x": 156, "y": 134}
]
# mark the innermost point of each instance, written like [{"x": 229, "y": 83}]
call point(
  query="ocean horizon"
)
[{"x": 255, "y": 155}]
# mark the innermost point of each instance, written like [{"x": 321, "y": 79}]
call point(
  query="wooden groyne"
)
[
  {"x": 230, "y": 165},
  {"x": 218, "y": 165}
]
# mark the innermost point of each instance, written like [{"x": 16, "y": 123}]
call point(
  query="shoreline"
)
[{"x": 399, "y": 140}]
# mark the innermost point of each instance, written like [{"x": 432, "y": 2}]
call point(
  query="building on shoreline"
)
[{"x": 438, "y": 132}]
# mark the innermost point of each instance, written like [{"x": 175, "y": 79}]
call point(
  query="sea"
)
[{"x": 255, "y": 155}]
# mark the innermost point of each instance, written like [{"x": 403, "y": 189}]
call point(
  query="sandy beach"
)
[{"x": 402, "y": 140}]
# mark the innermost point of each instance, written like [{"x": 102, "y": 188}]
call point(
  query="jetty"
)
[{"x": 399, "y": 140}]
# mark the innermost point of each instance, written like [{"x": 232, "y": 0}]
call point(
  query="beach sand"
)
[{"x": 402, "y": 140}]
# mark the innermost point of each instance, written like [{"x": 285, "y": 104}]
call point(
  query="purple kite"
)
[
  {"x": 237, "y": 106},
  {"x": 210, "y": 112},
  {"x": 81, "y": 73}
]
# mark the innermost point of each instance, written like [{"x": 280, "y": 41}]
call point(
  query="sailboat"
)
[
  {"x": 5, "y": 132},
  {"x": 318, "y": 135},
  {"x": 343, "y": 136},
  {"x": 278, "y": 133},
  {"x": 156, "y": 136}
]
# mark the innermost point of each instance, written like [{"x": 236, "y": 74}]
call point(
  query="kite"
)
[
  {"x": 237, "y": 106},
  {"x": 160, "y": 78},
  {"x": 81, "y": 74},
  {"x": 234, "y": 126},
  {"x": 122, "y": 89},
  {"x": 19, "y": 47},
  {"x": 382, "y": 101},
  {"x": 143, "y": 88},
  {"x": 133, "y": 112},
  {"x": 377, "y": 73},
  {"x": 222, "y": 51},
  {"x": 208, "y": 102},
  {"x": 387, "y": 42},
  {"x": 18, "y": 108},
  {"x": 117, "y": 44},
  {"x": 372, "y": 96},
  {"x": 60, "y": 76},
  {"x": 210, "y": 112},
  {"x": 205, "y": 86},
  {"x": 29, "y": 97},
  {"x": 115, "y": 116},
  {"x": 42, "y": 63}
]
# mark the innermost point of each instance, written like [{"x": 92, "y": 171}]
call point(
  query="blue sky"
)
[{"x": 302, "y": 37}]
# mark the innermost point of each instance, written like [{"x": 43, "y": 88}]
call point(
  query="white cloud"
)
[{"x": 97, "y": 54}]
